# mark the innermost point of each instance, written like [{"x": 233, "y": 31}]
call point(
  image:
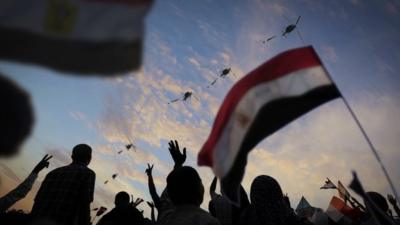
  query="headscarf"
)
[{"x": 268, "y": 206}]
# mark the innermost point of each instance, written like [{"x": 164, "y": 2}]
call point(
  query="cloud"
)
[
  {"x": 194, "y": 62},
  {"x": 225, "y": 56}
]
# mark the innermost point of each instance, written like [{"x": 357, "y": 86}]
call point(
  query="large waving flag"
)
[
  {"x": 268, "y": 98},
  {"x": 79, "y": 36}
]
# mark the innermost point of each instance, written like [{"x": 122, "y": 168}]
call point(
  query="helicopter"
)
[
  {"x": 223, "y": 74},
  {"x": 268, "y": 39},
  {"x": 186, "y": 96},
  {"x": 113, "y": 177},
  {"x": 290, "y": 27}
]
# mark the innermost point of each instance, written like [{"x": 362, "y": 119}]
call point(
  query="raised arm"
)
[
  {"x": 153, "y": 217},
  {"x": 23, "y": 189},
  {"x": 178, "y": 157},
  {"x": 152, "y": 187},
  {"x": 213, "y": 186}
]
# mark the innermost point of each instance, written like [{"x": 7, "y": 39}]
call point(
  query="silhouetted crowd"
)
[{"x": 66, "y": 193}]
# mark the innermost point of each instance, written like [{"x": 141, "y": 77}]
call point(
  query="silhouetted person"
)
[
  {"x": 16, "y": 117},
  {"x": 222, "y": 209},
  {"x": 268, "y": 205},
  {"x": 152, "y": 220},
  {"x": 380, "y": 211},
  {"x": 66, "y": 192},
  {"x": 186, "y": 191},
  {"x": 163, "y": 203},
  {"x": 219, "y": 207},
  {"x": 123, "y": 213},
  {"x": 15, "y": 217},
  {"x": 23, "y": 189}
]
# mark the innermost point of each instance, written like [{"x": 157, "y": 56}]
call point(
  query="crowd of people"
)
[{"x": 66, "y": 193}]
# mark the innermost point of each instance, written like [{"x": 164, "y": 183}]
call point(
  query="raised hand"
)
[
  {"x": 178, "y": 157},
  {"x": 149, "y": 169},
  {"x": 150, "y": 204},
  {"x": 138, "y": 201},
  {"x": 391, "y": 199},
  {"x": 42, "y": 164}
]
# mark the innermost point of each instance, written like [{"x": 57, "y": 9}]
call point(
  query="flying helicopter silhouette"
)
[
  {"x": 185, "y": 97},
  {"x": 289, "y": 28},
  {"x": 225, "y": 72},
  {"x": 113, "y": 177},
  {"x": 292, "y": 27},
  {"x": 269, "y": 39},
  {"x": 128, "y": 146}
]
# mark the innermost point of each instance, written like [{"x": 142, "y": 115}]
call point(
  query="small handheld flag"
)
[{"x": 328, "y": 185}]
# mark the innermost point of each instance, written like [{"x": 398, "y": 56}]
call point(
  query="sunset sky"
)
[{"x": 187, "y": 44}]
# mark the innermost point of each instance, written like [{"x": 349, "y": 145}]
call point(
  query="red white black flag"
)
[
  {"x": 79, "y": 36},
  {"x": 268, "y": 98}
]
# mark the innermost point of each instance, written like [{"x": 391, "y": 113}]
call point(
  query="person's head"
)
[
  {"x": 121, "y": 199},
  {"x": 268, "y": 201},
  {"x": 184, "y": 186},
  {"x": 16, "y": 117},
  {"x": 82, "y": 153},
  {"x": 379, "y": 200},
  {"x": 265, "y": 188}
]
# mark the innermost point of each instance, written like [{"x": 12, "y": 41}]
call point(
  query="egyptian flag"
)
[
  {"x": 268, "y": 98},
  {"x": 339, "y": 211},
  {"x": 328, "y": 185},
  {"x": 102, "y": 37}
]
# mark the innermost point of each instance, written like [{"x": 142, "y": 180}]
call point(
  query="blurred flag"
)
[
  {"x": 343, "y": 192},
  {"x": 328, "y": 185},
  {"x": 79, "y": 36},
  {"x": 339, "y": 211},
  {"x": 268, "y": 98}
]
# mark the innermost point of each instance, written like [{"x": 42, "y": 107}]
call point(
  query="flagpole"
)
[{"x": 373, "y": 149}]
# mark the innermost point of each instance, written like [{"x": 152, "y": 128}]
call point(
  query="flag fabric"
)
[
  {"x": 80, "y": 36},
  {"x": 268, "y": 98},
  {"x": 328, "y": 185},
  {"x": 343, "y": 192},
  {"x": 339, "y": 211}
]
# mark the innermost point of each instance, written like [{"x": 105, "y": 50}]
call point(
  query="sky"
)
[{"x": 187, "y": 44}]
